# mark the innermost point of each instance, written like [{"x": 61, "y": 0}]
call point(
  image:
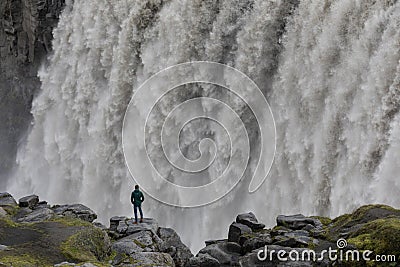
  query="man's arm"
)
[
  {"x": 142, "y": 196},
  {"x": 132, "y": 198}
]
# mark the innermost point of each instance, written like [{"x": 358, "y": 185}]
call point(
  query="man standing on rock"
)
[{"x": 137, "y": 198}]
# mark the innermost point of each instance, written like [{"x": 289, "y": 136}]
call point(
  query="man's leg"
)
[
  {"x": 135, "y": 211},
  {"x": 141, "y": 213}
]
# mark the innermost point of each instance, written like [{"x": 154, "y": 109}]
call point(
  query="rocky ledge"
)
[
  {"x": 373, "y": 227},
  {"x": 33, "y": 233}
]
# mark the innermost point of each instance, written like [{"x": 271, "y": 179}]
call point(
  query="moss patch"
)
[
  {"x": 324, "y": 220},
  {"x": 24, "y": 260},
  {"x": 11, "y": 209},
  {"x": 69, "y": 221},
  {"x": 381, "y": 236},
  {"x": 89, "y": 244}
]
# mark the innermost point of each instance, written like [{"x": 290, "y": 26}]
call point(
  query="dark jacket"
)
[{"x": 137, "y": 197}]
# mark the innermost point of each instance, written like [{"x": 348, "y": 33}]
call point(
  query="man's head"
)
[{"x": 137, "y": 186}]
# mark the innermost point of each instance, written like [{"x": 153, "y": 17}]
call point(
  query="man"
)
[{"x": 137, "y": 198}]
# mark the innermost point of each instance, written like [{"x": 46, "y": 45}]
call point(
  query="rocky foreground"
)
[{"x": 33, "y": 233}]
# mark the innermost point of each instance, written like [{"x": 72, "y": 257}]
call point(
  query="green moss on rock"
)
[
  {"x": 380, "y": 236},
  {"x": 24, "y": 260},
  {"x": 324, "y": 220},
  {"x": 71, "y": 221},
  {"x": 89, "y": 244}
]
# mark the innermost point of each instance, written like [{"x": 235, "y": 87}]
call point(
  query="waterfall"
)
[{"x": 329, "y": 69}]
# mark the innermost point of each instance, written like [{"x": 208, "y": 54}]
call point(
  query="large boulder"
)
[
  {"x": 75, "y": 211},
  {"x": 297, "y": 222},
  {"x": 127, "y": 227},
  {"x": 114, "y": 222},
  {"x": 227, "y": 253},
  {"x": 250, "y": 220},
  {"x": 172, "y": 244},
  {"x": 126, "y": 246},
  {"x": 148, "y": 259},
  {"x": 143, "y": 241},
  {"x": 6, "y": 199},
  {"x": 236, "y": 230},
  {"x": 256, "y": 242},
  {"x": 89, "y": 244},
  {"x": 29, "y": 201},
  {"x": 203, "y": 260},
  {"x": 38, "y": 215}
]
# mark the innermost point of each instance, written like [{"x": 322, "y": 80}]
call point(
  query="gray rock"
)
[
  {"x": 256, "y": 242},
  {"x": 29, "y": 201},
  {"x": 172, "y": 244},
  {"x": 114, "y": 222},
  {"x": 297, "y": 222},
  {"x": 227, "y": 253},
  {"x": 38, "y": 215},
  {"x": 3, "y": 213},
  {"x": 127, "y": 227},
  {"x": 203, "y": 260},
  {"x": 42, "y": 204},
  {"x": 143, "y": 241},
  {"x": 65, "y": 263},
  {"x": 293, "y": 241},
  {"x": 100, "y": 225},
  {"x": 75, "y": 211},
  {"x": 250, "y": 220},
  {"x": 4, "y": 248},
  {"x": 236, "y": 230},
  {"x": 126, "y": 246},
  {"x": 210, "y": 242},
  {"x": 6, "y": 199},
  {"x": 150, "y": 259},
  {"x": 25, "y": 39}
]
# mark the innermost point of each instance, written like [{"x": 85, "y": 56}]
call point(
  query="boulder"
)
[
  {"x": 114, "y": 222},
  {"x": 29, "y": 201},
  {"x": 297, "y": 222},
  {"x": 127, "y": 227},
  {"x": 293, "y": 241},
  {"x": 150, "y": 259},
  {"x": 172, "y": 244},
  {"x": 203, "y": 260},
  {"x": 38, "y": 215},
  {"x": 210, "y": 242},
  {"x": 75, "y": 211},
  {"x": 6, "y": 199},
  {"x": 143, "y": 241},
  {"x": 256, "y": 242},
  {"x": 226, "y": 253},
  {"x": 250, "y": 220},
  {"x": 3, "y": 213},
  {"x": 126, "y": 246},
  {"x": 236, "y": 230}
]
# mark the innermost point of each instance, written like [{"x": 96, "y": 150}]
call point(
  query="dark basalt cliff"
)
[{"x": 25, "y": 39}]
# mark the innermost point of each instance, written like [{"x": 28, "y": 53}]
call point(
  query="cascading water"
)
[{"x": 329, "y": 69}]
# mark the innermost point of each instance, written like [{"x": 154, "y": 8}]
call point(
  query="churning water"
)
[{"x": 329, "y": 69}]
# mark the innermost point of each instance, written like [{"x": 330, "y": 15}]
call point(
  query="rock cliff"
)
[{"x": 25, "y": 39}]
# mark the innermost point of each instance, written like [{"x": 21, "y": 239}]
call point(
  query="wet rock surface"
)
[
  {"x": 297, "y": 234},
  {"x": 36, "y": 234},
  {"x": 25, "y": 40}
]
